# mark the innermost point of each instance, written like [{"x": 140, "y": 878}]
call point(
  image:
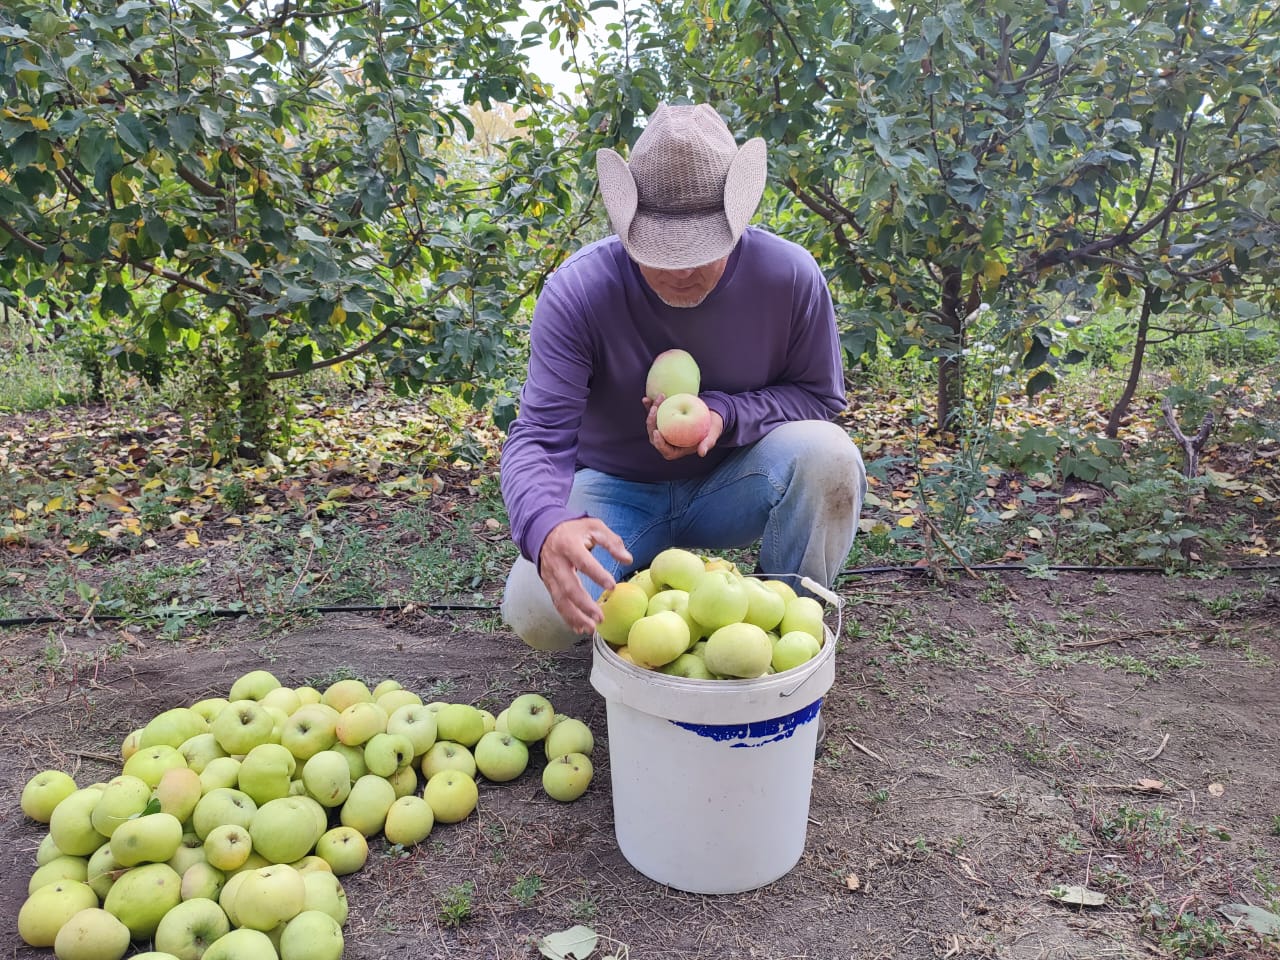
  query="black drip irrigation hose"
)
[{"x": 220, "y": 612}]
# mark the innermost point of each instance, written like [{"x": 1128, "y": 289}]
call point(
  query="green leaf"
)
[{"x": 576, "y": 943}]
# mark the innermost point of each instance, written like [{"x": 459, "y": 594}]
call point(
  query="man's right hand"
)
[{"x": 566, "y": 552}]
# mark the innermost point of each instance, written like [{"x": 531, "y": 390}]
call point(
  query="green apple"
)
[
  {"x": 452, "y": 796},
  {"x": 256, "y": 861},
  {"x": 622, "y": 606},
  {"x": 324, "y": 892},
  {"x": 153, "y": 955},
  {"x": 687, "y": 665},
  {"x": 501, "y": 756},
  {"x": 343, "y": 693},
  {"x": 530, "y": 717},
  {"x": 149, "y": 763},
  {"x": 209, "y": 707},
  {"x": 404, "y": 781},
  {"x": 671, "y": 372},
  {"x": 447, "y": 755},
  {"x": 123, "y": 797},
  {"x": 49, "y": 908},
  {"x": 253, "y": 685},
  {"x": 677, "y": 600},
  {"x": 393, "y": 700},
  {"x": 721, "y": 563},
  {"x": 644, "y": 580},
  {"x": 415, "y": 721},
  {"x": 385, "y": 753},
  {"x": 270, "y": 896},
  {"x": 190, "y": 928},
  {"x": 241, "y": 726},
  {"x": 71, "y": 823},
  {"x": 719, "y": 599},
  {"x": 569, "y": 736},
  {"x": 386, "y": 686},
  {"x": 803, "y": 613},
  {"x": 311, "y": 935},
  {"x": 344, "y": 849},
  {"x": 285, "y": 829},
  {"x": 227, "y": 846},
  {"x": 281, "y": 698},
  {"x": 781, "y": 588},
  {"x": 764, "y": 607},
  {"x": 129, "y": 745},
  {"x": 567, "y": 778},
  {"x": 794, "y": 648},
  {"x": 355, "y": 759},
  {"x": 500, "y": 721},
  {"x": 739, "y": 650},
  {"x": 220, "y": 772},
  {"x": 409, "y": 821},
  {"x": 103, "y": 870},
  {"x": 47, "y": 851},
  {"x": 265, "y": 772},
  {"x": 460, "y": 723},
  {"x": 172, "y": 728},
  {"x": 327, "y": 777},
  {"x": 435, "y": 706},
  {"x": 203, "y": 880},
  {"x": 307, "y": 695},
  {"x": 359, "y": 722},
  {"x": 189, "y": 852},
  {"x": 150, "y": 839},
  {"x": 223, "y": 805},
  {"x": 142, "y": 896},
  {"x": 490, "y": 721},
  {"x": 309, "y": 730},
  {"x": 45, "y": 791},
  {"x": 178, "y": 791},
  {"x": 677, "y": 568},
  {"x": 243, "y": 944},
  {"x": 57, "y": 870},
  {"x": 230, "y": 890},
  {"x": 199, "y": 750},
  {"x": 91, "y": 934},
  {"x": 658, "y": 638},
  {"x": 312, "y": 863},
  {"x": 366, "y": 806},
  {"x": 624, "y": 653}
]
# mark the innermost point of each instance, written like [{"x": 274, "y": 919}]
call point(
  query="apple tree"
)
[
  {"x": 966, "y": 153},
  {"x": 276, "y": 188}
]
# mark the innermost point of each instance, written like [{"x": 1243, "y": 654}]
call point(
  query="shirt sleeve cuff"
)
[{"x": 721, "y": 404}]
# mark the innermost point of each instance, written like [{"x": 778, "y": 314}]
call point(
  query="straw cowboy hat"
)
[{"x": 688, "y": 192}]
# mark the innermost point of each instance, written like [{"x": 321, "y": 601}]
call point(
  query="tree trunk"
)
[
  {"x": 1121, "y": 409},
  {"x": 950, "y": 359},
  {"x": 255, "y": 397}
]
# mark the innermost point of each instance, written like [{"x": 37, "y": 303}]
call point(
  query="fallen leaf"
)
[
  {"x": 576, "y": 943},
  {"x": 1216, "y": 789},
  {"x": 1078, "y": 896},
  {"x": 852, "y": 882},
  {"x": 1156, "y": 786},
  {"x": 1255, "y": 918}
]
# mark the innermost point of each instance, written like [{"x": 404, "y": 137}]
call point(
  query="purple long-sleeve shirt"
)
[{"x": 765, "y": 340}]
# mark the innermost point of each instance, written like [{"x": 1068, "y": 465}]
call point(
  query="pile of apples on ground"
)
[{"x": 225, "y": 833}]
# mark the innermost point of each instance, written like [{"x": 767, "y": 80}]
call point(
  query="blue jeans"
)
[{"x": 798, "y": 491}]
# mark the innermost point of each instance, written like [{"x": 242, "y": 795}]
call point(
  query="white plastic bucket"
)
[{"x": 712, "y": 779}]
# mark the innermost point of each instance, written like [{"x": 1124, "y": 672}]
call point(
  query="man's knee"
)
[
  {"x": 823, "y": 450},
  {"x": 527, "y": 609}
]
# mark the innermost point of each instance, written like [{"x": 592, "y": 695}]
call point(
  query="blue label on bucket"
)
[{"x": 757, "y": 733}]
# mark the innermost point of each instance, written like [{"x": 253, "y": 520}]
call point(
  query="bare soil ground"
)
[{"x": 988, "y": 742}]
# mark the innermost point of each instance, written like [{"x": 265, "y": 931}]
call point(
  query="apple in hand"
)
[
  {"x": 45, "y": 791},
  {"x": 684, "y": 420},
  {"x": 672, "y": 372},
  {"x": 501, "y": 756}
]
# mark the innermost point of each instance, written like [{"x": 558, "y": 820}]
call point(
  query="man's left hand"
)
[{"x": 675, "y": 453}]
